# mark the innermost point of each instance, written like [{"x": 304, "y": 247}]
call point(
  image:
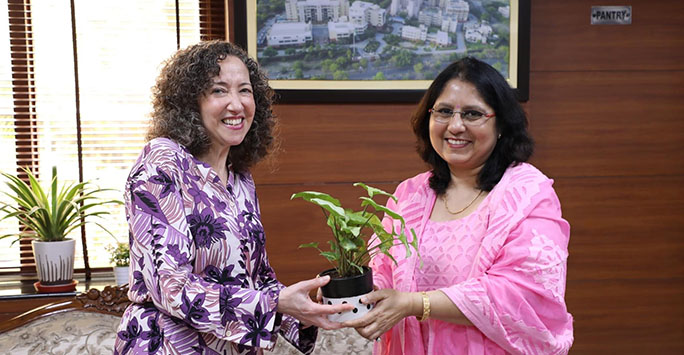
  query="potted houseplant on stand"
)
[
  {"x": 357, "y": 236},
  {"x": 48, "y": 215},
  {"x": 121, "y": 260}
]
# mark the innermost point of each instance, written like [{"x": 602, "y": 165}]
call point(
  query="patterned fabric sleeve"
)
[
  {"x": 518, "y": 302},
  {"x": 163, "y": 249},
  {"x": 291, "y": 329}
]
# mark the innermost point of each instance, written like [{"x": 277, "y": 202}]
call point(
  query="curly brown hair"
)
[{"x": 187, "y": 75}]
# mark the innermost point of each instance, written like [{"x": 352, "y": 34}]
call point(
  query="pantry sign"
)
[{"x": 611, "y": 15}]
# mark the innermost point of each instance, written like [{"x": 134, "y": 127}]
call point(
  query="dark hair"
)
[
  {"x": 186, "y": 76},
  {"x": 515, "y": 144}
]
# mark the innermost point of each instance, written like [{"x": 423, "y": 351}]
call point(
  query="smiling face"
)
[
  {"x": 463, "y": 147},
  {"x": 227, "y": 107}
]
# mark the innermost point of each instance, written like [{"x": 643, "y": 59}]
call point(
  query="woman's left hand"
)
[
  {"x": 391, "y": 306},
  {"x": 295, "y": 301}
]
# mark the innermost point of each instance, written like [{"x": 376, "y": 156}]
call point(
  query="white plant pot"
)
[
  {"x": 359, "y": 310},
  {"x": 54, "y": 261},
  {"x": 121, "y": 275},
  {"x": 348, "y": 290}
]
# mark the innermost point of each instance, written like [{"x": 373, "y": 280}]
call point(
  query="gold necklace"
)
[{"x": 444, "y": 198}]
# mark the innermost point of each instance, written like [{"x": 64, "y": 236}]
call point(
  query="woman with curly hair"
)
[
  {"x": 493, "y": 243},
  {"x": 200, "y": 280}
]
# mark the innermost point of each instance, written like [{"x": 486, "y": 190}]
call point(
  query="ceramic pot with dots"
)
[{"x": 342, "y": 290}]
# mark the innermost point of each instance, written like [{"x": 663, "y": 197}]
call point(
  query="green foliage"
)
[
  {"x": 402, "y": 58},
  {"x": 358, "y": 235},
  {"x": 342, "y": 62},
  {"x": 298, "y": 64},
  {"x": 372, "y": 46},
  {"x": 325, "y": 65},
  {"x": 51, "y": 214},
  {"x": 392, "y": 40},
  {"x": 267, "y": 9},
  {"x": 270, "y": 52},
  {"x": 340, "y": 75},
  {"x": 120, "y": 254}
]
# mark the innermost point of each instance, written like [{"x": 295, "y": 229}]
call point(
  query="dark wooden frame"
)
[
  {"x": 111, "y": 300},
  {"x": 239, "y": 13}
]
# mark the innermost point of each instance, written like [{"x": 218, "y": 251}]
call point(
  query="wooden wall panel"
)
[
  {"x": 608, "y": 123},
  {"x": 620, "y": 231},
  {"x": 564, "y": 40},
  {"x": 343, "y": 143},
  {"x": 627, "y": 316}
]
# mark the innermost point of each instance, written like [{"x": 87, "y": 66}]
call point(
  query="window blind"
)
[{"x": 119, "y": 47}]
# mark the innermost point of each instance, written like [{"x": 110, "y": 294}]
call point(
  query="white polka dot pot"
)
[
  {"x": 359, "y": 308},
  {"x": 348, "y": 290}
]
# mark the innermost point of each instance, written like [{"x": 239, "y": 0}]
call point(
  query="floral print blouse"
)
[{"x": 200, "y": 281}]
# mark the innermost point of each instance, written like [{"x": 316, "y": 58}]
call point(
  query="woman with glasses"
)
[{"x": 490, "y": 278}]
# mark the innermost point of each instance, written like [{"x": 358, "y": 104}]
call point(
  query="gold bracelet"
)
[{"x": 426, "y": 307}]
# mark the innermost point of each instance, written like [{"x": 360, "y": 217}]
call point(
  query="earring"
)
[{"x": 499, "y": 137}]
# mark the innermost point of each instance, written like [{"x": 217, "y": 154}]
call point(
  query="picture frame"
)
[{"x": 404, "y": 86}]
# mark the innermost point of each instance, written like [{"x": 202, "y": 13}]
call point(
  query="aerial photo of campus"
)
[{"x": 378, "y": 39}]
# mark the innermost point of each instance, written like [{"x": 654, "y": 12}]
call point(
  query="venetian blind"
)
[{"x": 120, "y": 46}]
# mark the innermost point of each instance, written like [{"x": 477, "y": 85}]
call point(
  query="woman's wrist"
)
[
  {"x": 415, "y": 308},
  {"x": 425, "y": 307}
]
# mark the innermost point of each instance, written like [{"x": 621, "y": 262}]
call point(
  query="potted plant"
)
[
  {"x": 48, "y": 215},
  {"x": 121, "y": 260},
  {"x": 357, "y": 236}
]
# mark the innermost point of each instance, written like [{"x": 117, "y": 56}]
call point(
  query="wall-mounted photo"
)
[{"x": 380, "y": 50}]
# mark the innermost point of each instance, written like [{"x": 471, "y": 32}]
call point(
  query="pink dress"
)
[{"x": 503, "y": 266}]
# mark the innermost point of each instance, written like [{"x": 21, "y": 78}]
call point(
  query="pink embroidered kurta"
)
[
  {"x": 504, "y": 266},
  {"x": 200, "y": 281}
]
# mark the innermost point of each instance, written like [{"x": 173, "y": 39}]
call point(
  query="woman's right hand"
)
[{"x": 295, "y": 301}]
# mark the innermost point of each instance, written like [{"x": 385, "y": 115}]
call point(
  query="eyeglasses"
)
[{"x": 468, "y": 117}]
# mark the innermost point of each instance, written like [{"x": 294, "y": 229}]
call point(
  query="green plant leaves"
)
[
  {"x": 372, "y": 191},
  {"x": 350, "y": 249},
  {"x": 55, "y": 212},
  {"x": 323, "y": 200},
  {"x": 120, "y": 254},
  {"x": 309, "y": 245}
]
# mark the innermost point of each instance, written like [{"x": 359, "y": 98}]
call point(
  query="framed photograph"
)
[{"x": 379, "y": 50}]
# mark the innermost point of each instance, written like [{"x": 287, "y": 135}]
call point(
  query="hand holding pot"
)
[
  {"x": 391, "y": 306},
  {"x": 295, "y": 301}
]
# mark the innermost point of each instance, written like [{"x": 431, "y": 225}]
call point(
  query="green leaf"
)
[
  {"x": 368, "y": 202},
  {"x": 330, "y": 256},
  {"x": 310, "y": 195},
  {"x": 322, "y": 200},
  {"x": 309, "y": 245},
  {"x": 347, "y": 244},
  {"x": 372, "y": 191}
]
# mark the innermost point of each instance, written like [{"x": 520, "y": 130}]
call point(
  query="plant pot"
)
[
  {"x": 121, "y": 275},
  {"x": 55, "y": 265},
  {"x": 341, "y": 290}
]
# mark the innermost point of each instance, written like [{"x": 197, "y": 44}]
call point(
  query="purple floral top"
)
[{"x": 200, "y": 280}]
